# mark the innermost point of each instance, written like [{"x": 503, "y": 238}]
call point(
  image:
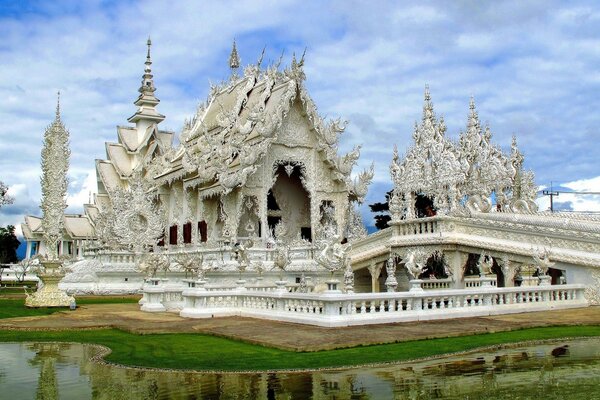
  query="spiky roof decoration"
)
[{"x": 233, "y": 130}]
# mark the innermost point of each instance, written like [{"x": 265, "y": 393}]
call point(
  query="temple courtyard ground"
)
[{"x": 286, "y": 336}]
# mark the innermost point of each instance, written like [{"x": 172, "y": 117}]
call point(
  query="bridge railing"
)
[{"x": 337, "y": 309}]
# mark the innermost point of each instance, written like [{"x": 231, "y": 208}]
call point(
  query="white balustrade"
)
[
  {"x": 336, "y": 309},
  {"x": 436, "y": 284}
]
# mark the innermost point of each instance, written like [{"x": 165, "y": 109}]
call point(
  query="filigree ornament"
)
[
  {"x": 349, "y": 279},
  {"x": 135, "y": 221},
  {"x": 541, "y": 261},
  {"x": 466, "y": 173},
  {"x": 356, "y": 228},
  {"x": 485, "y": 264},
  {"x": 4, "y": 197},
  {"x": 54, "y": 182},
  {"x": 333, "y": 256},
  {"x": 391, "y": 283},
  {"x": 150, "y": 264},
  {"x": 414, "y": 262}
]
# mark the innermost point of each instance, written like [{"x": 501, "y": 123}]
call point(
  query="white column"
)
[
  {"x": 375, "y": 270},
  {"x": 28, "y": 251}
]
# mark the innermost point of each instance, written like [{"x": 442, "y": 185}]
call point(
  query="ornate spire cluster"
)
[
  {"x": 453, "y": 175},
  {"x": 54, "y": 181},
  {"x": 234, "y": 59}
]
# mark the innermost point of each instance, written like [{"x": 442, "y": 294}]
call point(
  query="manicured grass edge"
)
[{"x": 205, "y": 353}]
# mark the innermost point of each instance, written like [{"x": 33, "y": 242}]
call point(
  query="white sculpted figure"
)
[
  {"x": 413, "y": 262},
  {"x": 242, "y": 256},
  {"x": 282, "y": 256},
  {"x": 189, "y": 263},
  {"x": 542, "y": 261},
  {"x": 485, "y": 264},
  {"x": 349, "y": 279},
  {"x": 152, "y": 263},
  {"x": 334, "y": 256}
]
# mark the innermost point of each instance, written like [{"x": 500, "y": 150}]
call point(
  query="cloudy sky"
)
[{"x": 532, "y": 66}]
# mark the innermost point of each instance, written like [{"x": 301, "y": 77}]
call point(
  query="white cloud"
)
[{"x": 532, "y": 67}]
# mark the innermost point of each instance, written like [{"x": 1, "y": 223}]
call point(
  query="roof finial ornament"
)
[
  {"x": 428, "y": 106},
  {"x": 58, "y": 105},
  {"x": 148, "y": 59},
  {"x": 234, "y": 59},
  {"x": 280, "y": 59},
  {"x": 147, "y": 101},
  {"x": 301, "y": 63},
  {"x": 260, "y": 59}
]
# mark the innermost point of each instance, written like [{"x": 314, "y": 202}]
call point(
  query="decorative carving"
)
[
  {"x": 391, "y": 283},
  {"x": 349, "y": 279},
  {"x": 152, "y": 263},
  {"x": 333, "y": 256},
  {"x": 485, "y": 264},
  {"x": 135, "y": 221},
  {"x": 414, "y": 261},
  {"x": 541, "y": 260},
  {"x": 447, "y": 173},
  {"x": 54, "y": 182}
]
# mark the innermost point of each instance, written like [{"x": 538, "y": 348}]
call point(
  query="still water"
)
[{"x": 561, "y": 370}]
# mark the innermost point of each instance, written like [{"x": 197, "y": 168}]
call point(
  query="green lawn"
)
[
  {"x": 15, "y": 307},
  {"x": 202, "y": 352}
]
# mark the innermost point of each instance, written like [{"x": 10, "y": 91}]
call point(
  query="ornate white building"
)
[{"x": 256, "y": 199}]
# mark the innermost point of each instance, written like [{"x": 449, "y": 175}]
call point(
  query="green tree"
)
[
  {"x": 8, "y": 245},
  {"x": 383, "y": 212}
]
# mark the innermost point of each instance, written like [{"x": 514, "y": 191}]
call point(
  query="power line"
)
[{"x": 554, "y": 193}]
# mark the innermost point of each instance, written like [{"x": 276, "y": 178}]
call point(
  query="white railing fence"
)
[{"x": 338, "y": 309}]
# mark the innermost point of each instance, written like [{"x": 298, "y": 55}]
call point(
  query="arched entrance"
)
[{"x": 289, "y": 202}]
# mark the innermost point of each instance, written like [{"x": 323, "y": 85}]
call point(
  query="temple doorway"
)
[{"x": 289, "y": 202}]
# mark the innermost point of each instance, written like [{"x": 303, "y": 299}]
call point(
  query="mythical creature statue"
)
[
  {"x": 282, "y": 256},
  {"x": 390, "y": 268},
  {"x": 242, "y": 255},
  {"x": 360, "y": 185},
  {"x": 302, "y": 286},
  {"x": 334, "y": 256},
  {"x": 414, "y": 263},
  {"x": 485, "y": 264},
  {"x": 189, "y": 263},
  {"x": 152, "y": 263},
  {"x": 542, "y": 261}
]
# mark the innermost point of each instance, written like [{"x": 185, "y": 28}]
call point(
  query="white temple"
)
[{"x": 254, "y": 213}]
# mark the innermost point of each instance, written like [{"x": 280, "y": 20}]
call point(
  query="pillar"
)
[
  {"x": 456, "y": 263},
  {"x": 28, "y": 251},
  {"x": 375, "y": 270}
]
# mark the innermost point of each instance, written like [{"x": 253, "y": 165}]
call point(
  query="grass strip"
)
[
  {"x": 203, "y": 352},
  {"x": 15, "y": 307}
]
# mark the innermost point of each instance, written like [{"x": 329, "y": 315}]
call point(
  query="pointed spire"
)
[
  {"x": 147, "y": 101},
  {"x": 58, "y": 105},
  {"x": 262, "y": 55},
  {"x": 148, "y": 59},
  {"x": 294, "y": 62},
  {"x": 147, "y": 81},
  {"x": 234, "y": 59},
  {"x": 428, "y": 112},
  {"x": 473, "y": 119}
]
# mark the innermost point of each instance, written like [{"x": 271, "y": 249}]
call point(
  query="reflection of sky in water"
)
[{"x": 561, "y": 370}]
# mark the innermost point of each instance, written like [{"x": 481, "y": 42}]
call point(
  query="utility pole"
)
[
  {"x": 553, "y": 193},
  {"x": 550, "y": 193}
]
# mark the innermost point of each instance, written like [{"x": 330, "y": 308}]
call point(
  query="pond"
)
[{"x": 568, "y": 369}]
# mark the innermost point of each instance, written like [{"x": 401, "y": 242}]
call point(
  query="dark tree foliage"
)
[
  {"x": 8, "y": 245},
  {"x": 382, "y": 209}
]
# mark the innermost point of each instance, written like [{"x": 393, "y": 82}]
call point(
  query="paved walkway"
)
[{"x": 293, "y": 336}]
